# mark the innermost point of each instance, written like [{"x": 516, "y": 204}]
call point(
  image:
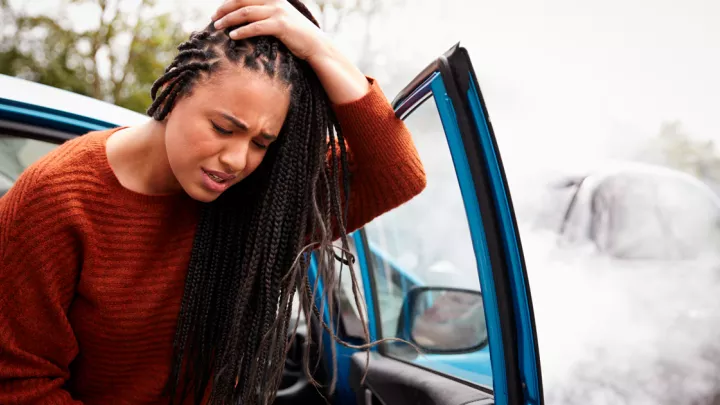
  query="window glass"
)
[
  {"x": 349, "y": 311},
  {"x": 16, "y": 154},
  {"x": 424, "y": 269}
]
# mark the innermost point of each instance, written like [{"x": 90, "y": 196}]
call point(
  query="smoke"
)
[
  {"x": 624, "y": 332},
  {"x": 569, "y": 85},
  {"x": 611, "y": 331}
]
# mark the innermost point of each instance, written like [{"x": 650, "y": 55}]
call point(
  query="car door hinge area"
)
[{"x": 371, "y": 399}]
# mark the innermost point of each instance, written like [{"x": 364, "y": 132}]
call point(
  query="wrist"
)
[
  {"x": 324, "y": 51},
  {"x": 342, "y": 80}
]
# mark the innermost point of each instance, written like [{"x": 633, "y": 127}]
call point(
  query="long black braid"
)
[{"x": 250, "y": 253}]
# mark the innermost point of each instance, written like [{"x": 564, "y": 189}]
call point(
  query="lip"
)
[
  {"x": 213, "y": 185},
  {"x": 221, "y": 175}
]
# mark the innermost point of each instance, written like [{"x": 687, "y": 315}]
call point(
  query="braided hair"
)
[{"x": 251, "y": 249}]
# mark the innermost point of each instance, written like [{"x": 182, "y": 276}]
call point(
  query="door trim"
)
[{"x": 512, "y": 373}]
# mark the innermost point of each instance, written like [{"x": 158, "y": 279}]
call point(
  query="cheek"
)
[
  {"x": 188, "y": 142},
  {"x": 254, "y": 160}
]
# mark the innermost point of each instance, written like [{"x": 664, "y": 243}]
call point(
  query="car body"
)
[
  {"x": 35, "y": 118},
  {"x": 636, "y": 211}
]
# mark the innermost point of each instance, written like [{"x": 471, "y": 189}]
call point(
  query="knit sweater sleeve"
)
[
  {"x": 39, "y": 259},
  {"x": 385, "y": 168}
]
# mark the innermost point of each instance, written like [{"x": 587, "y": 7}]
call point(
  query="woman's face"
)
[{"x": 218, "y": 134}]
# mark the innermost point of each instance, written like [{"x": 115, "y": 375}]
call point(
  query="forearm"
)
[
  {"x": 342, "y": 80},
  {"x": 384, "y": 163}
]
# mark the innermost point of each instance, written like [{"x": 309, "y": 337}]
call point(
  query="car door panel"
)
[
  {"x": 450, "y": 81},
  {"x": 498, "y": 218},
  {"x": 528, "y": 351},
  {"x": 393, "y": 382}
]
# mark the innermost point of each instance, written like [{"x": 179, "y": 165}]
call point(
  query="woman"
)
[{"x": 157, "y": 264}]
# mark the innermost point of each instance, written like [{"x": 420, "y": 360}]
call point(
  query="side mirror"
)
[{"x": 443, "y": 320}]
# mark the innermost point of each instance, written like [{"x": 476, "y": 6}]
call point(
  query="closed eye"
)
[
  {"x": 220, "y": 129},
  {"x": 260, "y": 145}
]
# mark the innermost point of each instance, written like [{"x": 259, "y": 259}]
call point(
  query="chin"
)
[
  {"x": 205, "y": 198},
  {"x": 201, "y": 195}
]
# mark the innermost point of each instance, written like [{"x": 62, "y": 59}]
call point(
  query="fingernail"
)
[{"x": 218, "y": 24}]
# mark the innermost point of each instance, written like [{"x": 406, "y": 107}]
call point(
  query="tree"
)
[
  {"x": 116, "y": 61},
  {"x": 127, "y": 49},
  {"x": 675, "y": 148}
]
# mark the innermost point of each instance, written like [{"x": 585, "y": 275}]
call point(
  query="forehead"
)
[{"x": 244, "y": 93}]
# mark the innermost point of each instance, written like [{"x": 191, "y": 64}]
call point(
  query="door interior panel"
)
[
  {"x": 295, "y": 387},
  {"x": 393, "y": 382}
]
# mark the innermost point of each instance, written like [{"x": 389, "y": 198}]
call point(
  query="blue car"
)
[{"x": 442, "y": 278}]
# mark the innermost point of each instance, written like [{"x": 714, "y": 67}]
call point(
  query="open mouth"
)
[
  {"x": 216, "y": 181},
  {"x": 218, "y": 177},
  {"x": 215, "y": 178}
]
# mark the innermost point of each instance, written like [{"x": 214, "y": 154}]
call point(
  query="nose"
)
[{"x": 233, "y": 157}]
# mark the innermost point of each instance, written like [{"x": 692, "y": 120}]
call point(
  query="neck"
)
[{"x": 138, "y": 157}]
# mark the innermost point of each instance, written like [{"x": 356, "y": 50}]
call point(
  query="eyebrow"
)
[{"x": 243, "y": 127}]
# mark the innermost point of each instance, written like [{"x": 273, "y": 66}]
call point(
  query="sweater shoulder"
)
[
  {"x": 53, "y": 187},
  {"x": 65, "y": 161},
  {"x": 44, "y": 201},
  {"x": 71, "y": 167}
]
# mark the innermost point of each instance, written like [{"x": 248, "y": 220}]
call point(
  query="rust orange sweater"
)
[{"x": 92, "y": 274}]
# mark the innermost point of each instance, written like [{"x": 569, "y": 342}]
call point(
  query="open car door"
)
[{"x": 445, "y": 272}]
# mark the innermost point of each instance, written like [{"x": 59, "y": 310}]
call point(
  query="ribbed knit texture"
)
[{"x": 92, "y": 274}]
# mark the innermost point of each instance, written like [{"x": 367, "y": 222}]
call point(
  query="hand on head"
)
[{"x": 288, "y": 21}]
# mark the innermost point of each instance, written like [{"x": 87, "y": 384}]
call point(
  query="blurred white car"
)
[{"x": 637, "y": 211}]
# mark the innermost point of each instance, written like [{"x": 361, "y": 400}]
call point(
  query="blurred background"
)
[{"x": 607, "y": 115}]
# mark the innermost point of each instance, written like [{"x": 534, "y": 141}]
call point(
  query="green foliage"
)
[
  {"x": 116, "y": 61},
  {"x": 675, "y": 148}
]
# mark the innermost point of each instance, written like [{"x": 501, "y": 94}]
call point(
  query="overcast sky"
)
[
  {"x": 560, "y": 72},
  {"x": 561, "y": 75}
]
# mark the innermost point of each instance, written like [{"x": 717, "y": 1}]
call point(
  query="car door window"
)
[
  {"x": 426, "y": 243},
  {"x": 16, "y": 154},
  {"x": 350, "y": 313}
]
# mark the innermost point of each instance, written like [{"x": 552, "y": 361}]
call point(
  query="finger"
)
[
  {"x": 231, "y": 5},
  {"x": 269, "y": 27},
  {"x": 245, "y": 15}
]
